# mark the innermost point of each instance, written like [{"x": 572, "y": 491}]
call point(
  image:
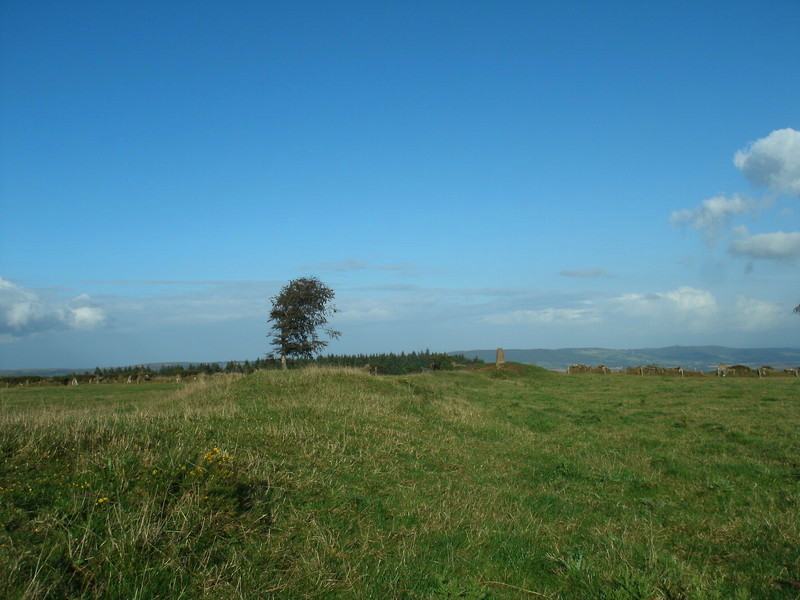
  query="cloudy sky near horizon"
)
[{"x": 462, "y": 174}]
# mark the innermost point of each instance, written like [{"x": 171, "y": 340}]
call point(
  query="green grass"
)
[{"x": 334, "y": 484}]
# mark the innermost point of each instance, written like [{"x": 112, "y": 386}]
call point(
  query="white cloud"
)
[
  {"x": 690, "y": 300},
  {"x": 757, "y": 315},
  {"x": 683, "y": 313},
  {"x": 778, "y": 245},
  {"x": 698, "y": 311},
  {"x": 685, "y": 305},
  {"x": 713, "y": 214},
  {"x": 773, "y": 161},
  {"x": 23, "y": 312},
  {"x": 85, "y": 317},
  {"x": 19, "y": 314}
]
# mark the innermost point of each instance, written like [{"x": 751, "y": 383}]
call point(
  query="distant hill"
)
[{"x": 699, "y": 358}]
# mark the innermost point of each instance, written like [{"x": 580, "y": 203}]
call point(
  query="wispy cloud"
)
[
  {"x": 171, "y": 282},
  {"x": 341, "y": 265},
  {"x": 584, "y": 273},
  {"x": 397, "y": 267},
  {"x": 392, "y": 317},
  {"x": 370, "y": 310},
  {"x": 212, "y": 303},
  {"x": 389, "y": 287},
  {"x": 546, "y": 315},
  {"x": 356, "y": 265},
  {"x": 773, "y": 161}
]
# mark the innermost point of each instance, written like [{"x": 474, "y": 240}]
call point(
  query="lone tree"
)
[{"x": 298, "y": 314}]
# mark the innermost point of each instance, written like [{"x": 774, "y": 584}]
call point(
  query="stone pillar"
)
[{"x": 501, "y": 359}]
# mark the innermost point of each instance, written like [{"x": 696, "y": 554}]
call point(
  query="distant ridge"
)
[{"x": 699, "y": 358}]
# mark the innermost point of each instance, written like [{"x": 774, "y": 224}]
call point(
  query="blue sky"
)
[{"x": 462, "y": 174}]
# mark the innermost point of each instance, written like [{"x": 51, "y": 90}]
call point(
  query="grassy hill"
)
[
  {"x": 700, "y": 358},
  {"x": 334, "y": 484}
]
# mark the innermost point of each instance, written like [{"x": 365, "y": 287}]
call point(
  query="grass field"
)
[{"x": 334, "y": 484}]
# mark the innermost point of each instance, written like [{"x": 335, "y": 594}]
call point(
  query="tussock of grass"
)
[{"x": 332, "y": 483}]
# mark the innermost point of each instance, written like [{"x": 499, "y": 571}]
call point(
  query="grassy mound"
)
[{"x": 331, "y": 483}]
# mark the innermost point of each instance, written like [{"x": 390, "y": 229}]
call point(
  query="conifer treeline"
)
[
  {"x": 394, "y": 364},
  {"x": 383, "y": 364}
]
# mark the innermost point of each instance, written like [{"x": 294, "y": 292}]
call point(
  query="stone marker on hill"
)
[{"x": 500, "y": 362}]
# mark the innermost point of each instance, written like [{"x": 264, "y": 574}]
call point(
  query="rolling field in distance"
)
[{"x": 330, "y": 483}]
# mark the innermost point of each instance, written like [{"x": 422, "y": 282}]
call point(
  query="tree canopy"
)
[{"x": 299, "y": 315}]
